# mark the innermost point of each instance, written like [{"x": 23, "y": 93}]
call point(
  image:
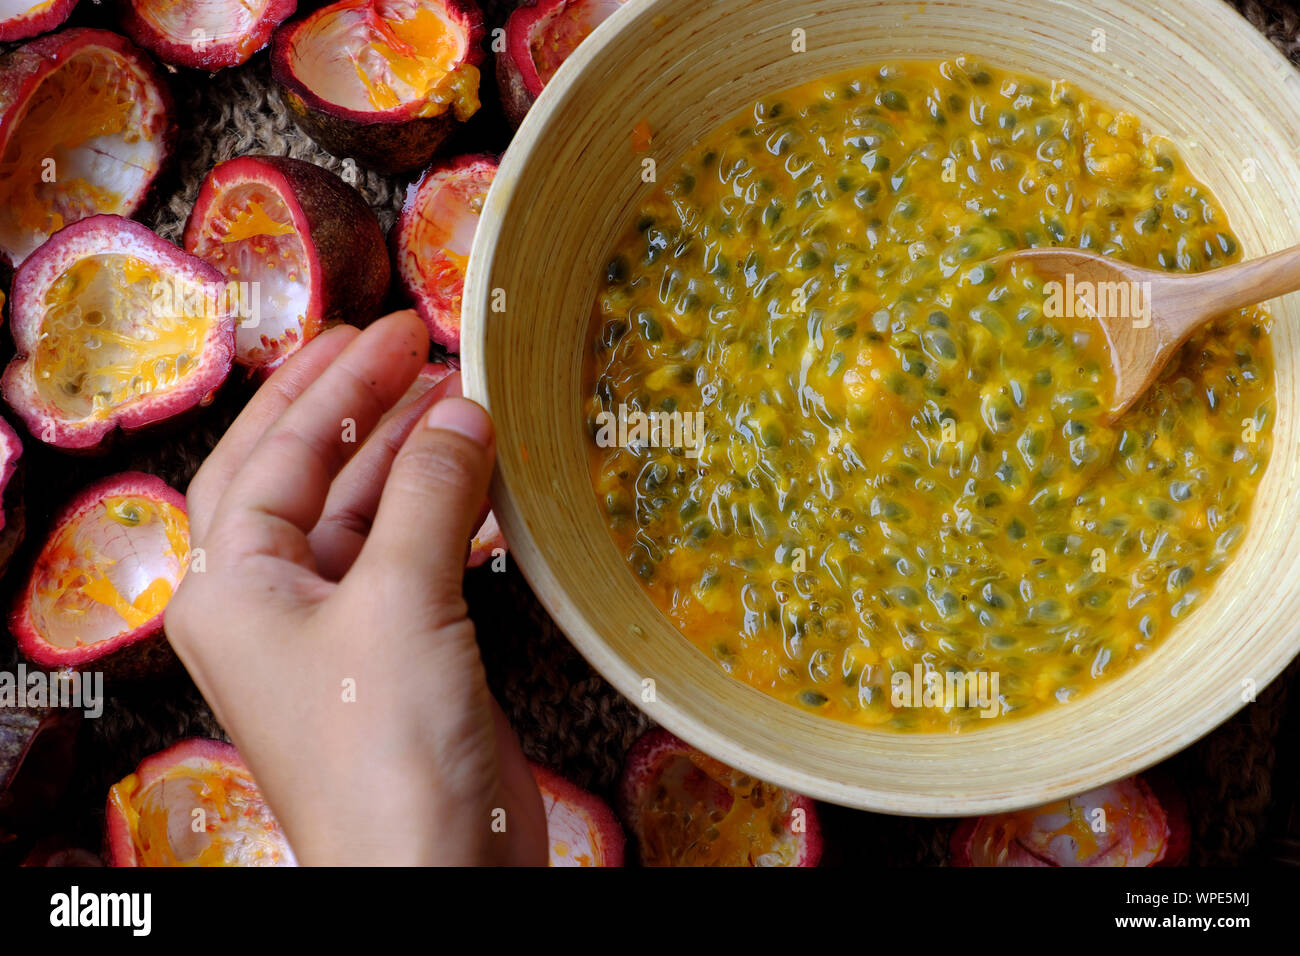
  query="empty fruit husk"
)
[
  {"x": 95, "y": 597},
  {"x": 684, "y": 808},
  {"x": 12, "y": 512},
  {"x": 37, "y": 758},
  {"x": 538, "y": 39},
  {"x": 433, "y": 236},
  {"x": 20, "y": 19},
  {"x": 193, "y": 804},
  {"x": 581, "y": 830},
  {"x": 115, "y": 328},
  {"x": 1129, "y": 823},
  {"x": 207, "y": 35},
  {"x": 85, "y": 126},
  {"x": 382, "y": 81},
  {"x": 488, "y": 541},
  {"x": 303, "y": 246}
]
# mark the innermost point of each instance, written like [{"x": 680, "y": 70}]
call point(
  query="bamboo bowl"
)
[{"x": 1192, "y": 69}]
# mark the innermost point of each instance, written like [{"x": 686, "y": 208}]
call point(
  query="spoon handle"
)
[{"x": 1247, "y": 283}]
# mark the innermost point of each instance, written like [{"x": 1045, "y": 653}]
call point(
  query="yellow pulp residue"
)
[
  {"x": 235, "y": 827},
  {"x": 905, "y": 478},
  {"x": 79, "y": 578},
  {"x": 704, "y": 813},
  {"x": 116, "y": 330},
  {"x": 252, "y": 221},
  {"x": 77, "y": 102},
  {"x": 420, "y": 54}
]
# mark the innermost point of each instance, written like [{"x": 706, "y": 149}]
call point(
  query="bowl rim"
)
[{"x": 571, "y": 620}]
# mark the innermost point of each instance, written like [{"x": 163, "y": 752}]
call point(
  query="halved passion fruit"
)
[
  {"x": 538, "y": 39},
  {"x": 1122, "y": 824},
  {"x": 20, "y": 19},
  {"x": 303, "y": 246},
  {"x": 382, "y": 81},
  {"x": 37, "y": 760},
  {"x": 684, "y": 808},
  {"x": 207, "y": 35},
  {"x": 488, "y": 541},
  {"x": 115, "y": 328},
  {"x": 12, "y": 512},
  {"x": 85, "y": 126},
  {"x": 95, "y": 597},
  {"x": 581, "y": 829},
  {"x": 433, "y": 236},
  {"x": 193, "y": 804}
]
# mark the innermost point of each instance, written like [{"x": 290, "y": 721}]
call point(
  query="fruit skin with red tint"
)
[
  {"x": 442, "y": 209},
  {"x": 37, "y": 759},
  {"x": 348, "y": 267},
  {"x": 243, "y": 39},
  {"x": 145, "y": 111},
  {"x": 215, "y": 759},
  {"x": 41, "y": 17},
  {"x": 90, "y": 241},
  {"x": 667, "y": 786},
  {"x": 12, "y": 510},
  {"x": 581, "y": 829},
  {"x": 390, "y": 138},
  {"x": 488, "y": 540},
  {"x": 551, "y": 29},
  {"x": 1145, "y": 824},
  {"x": 139, "y": 648}
]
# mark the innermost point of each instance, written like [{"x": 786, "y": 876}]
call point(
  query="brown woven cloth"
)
[{"x": 565, "y": 714}]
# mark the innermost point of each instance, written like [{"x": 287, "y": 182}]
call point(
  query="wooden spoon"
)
[{"x": 1147, "y": 314}]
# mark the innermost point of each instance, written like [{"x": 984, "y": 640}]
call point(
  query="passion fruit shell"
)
[
  {"x": 488, "y": 541},
  {"x": 151, "y": 813},
  {"x": 208, "y": 35},
  {"x": 1128, "y": 823},
  {"x": 581, "y": 829},
  {"x": 95, "y": 596},
  {"x": 433, "y": 236},
  {"x": 115, "y": 328},
  {"x": 304, "y": 244},
  {"x": 685, "y": 808},
  {"x": 85, "y": 127},
  {"x": 23, "y": 18},
  {"x": 539, "y": 37},
  {"x": 382, "y": 81},
  {"x": 37, "y": 759},
  {"x": 12, "y": 512}
]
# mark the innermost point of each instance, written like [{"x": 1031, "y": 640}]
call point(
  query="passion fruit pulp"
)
[
  {"x": 85, "y": 127},
  {"x": 539, "y": 38},
  {"x": 95, "y": 597},
  {"x": 305, "y": 246},
  {"x": 685, "y": 808},
  {"x": 20, "y": 19},
  {"x": 382, "y": 81},
  {"x": 1128, "y": 823},
  {"x": 433, "y": 236},
  {"x": 488, "y": 542},
  {"x": 115, "y": 328},
  {"x": 207, "y": 35},
  {"x": 152, "y": 813}
]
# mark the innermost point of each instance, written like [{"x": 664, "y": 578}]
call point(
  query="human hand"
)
[{"x": 332, "y": 565}]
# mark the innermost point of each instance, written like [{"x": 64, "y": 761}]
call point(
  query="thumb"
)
[{"x": 431, "y": 504}]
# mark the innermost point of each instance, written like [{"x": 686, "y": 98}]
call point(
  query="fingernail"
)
[{"x": 463, "y": 417}]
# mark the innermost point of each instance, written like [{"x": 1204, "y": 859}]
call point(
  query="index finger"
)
[
  {"x": 267, "y": 404},
  {"x": 289, "y": 472}
]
